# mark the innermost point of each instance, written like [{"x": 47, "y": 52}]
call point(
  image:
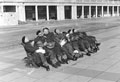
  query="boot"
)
[
  {"x": 88, "y": 54},
  {"x": 34, "y": 65},
  {"x": 47, "y": 68},
  {"x": 75, "y": 58},
  {"x": 65, "y": 61},
  {"x": 81, "y": 56},
  {"x": 58, "y": 64},
  {"x": 98, "y": 44},
  {"x": 95, "y": 50},
  {"x": 62, "y": 62},
  {"x": 39, "y": 64},
  {"x": 98, "y": 48},
  {"x": 54, "y": 65}
]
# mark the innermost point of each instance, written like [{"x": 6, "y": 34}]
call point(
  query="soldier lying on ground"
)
[
  {"x": 90, "y": 40},
  {"x": 66, "y": 47}
]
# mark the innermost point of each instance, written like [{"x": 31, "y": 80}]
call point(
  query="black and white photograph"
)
[{"x": 59, "y": 40}]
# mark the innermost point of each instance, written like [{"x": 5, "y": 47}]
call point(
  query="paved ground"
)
[{"x": 103, "y": 66}]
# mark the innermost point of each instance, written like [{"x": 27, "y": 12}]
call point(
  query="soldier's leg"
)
[
  {"x": 53, "y": 59},
  {"x": 77, "y": 52},
  {"x": 61, "y": 55},
  {"x": 58, "y": 52},
  {"x": 92, "y": 44},
  {"x": 87, "y": 47},
  {"x": 36, "y": 59},
  {"x": 44, "y": 61},
  {"x": 81, "y": 45},
  {"x": 64, "y": 58},
  {"x": 67, "y": 48},
  {"x": 95, "y": 44}
]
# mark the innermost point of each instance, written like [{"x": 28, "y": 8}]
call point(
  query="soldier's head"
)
[
  {"x": 40, "y": 44},
  {"x": 39, "y": 33},
  {"x": 45, "y": 30},
  {"x": 70, "y": 31},
  {"x": 25, "y": 39},
  {"x": 57, "y": 31},
  {"x": 74, "y": 30}
]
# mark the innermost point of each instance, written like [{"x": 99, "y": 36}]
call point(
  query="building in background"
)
[{"x": 12, "y": 11}]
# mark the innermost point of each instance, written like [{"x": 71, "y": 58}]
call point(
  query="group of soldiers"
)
[{"x": 56, "y": 48}]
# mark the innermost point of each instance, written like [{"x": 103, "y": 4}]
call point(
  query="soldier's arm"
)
[
  {"x": 57, "y": 39},
  {"x": 30, "y": 48}
]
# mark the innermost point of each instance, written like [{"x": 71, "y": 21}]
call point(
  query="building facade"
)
[{"x": 12, "y": 11}]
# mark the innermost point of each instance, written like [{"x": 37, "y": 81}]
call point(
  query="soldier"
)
[
  {"x": 50, "y": 47},
  {"x": 60, "y": 41},
  {"x": 36, "y": 51},
  {"x": 93, "y": 42},
  {"x": 74, "y": 42},
  {"x": 83, "y": 43},
  {"x": 65, "y": 44},
  {"x": 39, "y": 37}
]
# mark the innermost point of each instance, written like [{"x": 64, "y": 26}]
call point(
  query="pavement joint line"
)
[
  {"x": 13, "y": 79},
  {"x": 104, "y": 71},
  {"x": 85, "y": 75}
]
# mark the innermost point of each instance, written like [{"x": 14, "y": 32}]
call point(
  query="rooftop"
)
[{"x": 66, "y": 1}]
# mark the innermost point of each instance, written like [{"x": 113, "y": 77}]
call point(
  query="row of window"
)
[
  {"x": 8, "y": 8},
  {"x": 11, "y": 8}
]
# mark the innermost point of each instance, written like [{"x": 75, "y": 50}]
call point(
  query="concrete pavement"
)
[{"x": 103, "y": 66}]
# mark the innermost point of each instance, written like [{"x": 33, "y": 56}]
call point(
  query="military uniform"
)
[
  {"x": 74, "y": 42},
  {"x": 39, "y": 38},
  {"x": 59, "y": 49},
  {"x": 34, "y": 58},
  {"x": 39, "y": 43},
  {"x": 51, "y": 48},
  {"x": 66, "y": 46}
]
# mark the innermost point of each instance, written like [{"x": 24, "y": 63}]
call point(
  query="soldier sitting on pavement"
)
[
  {"x": 36, "y": 52},
  {"x": 50, "y": 47},
  {"x": 65, "y": 45}
]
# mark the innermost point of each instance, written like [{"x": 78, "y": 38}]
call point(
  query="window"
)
[
  {"x": 9, "y": 8},
  {"x": 0, "y": 9}
]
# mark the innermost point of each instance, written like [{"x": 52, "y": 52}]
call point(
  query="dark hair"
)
[
  {"x": 23, "y": 39},
  {"x": 84, "y": 33},
  {"x": 45, "y": 28},
  {"x": 64, "y": 32},
  {"x": 69, "y": 30},
  {"x": 73, "y": 30},
  {"x": 39, "y": 31},
  {"x": 55, "y": 30}
]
